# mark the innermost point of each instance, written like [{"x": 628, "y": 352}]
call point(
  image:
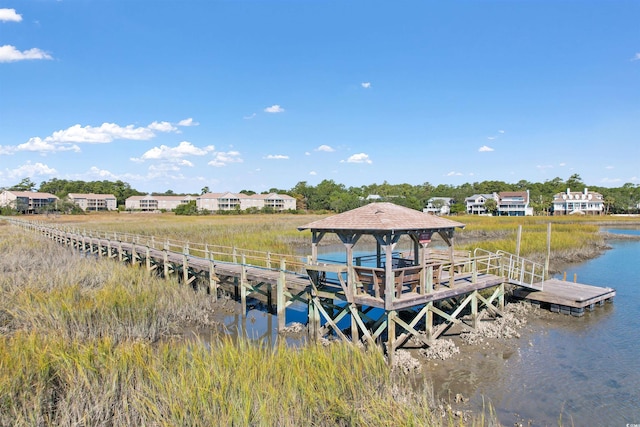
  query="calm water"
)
[{"x": 585, "y": 370}]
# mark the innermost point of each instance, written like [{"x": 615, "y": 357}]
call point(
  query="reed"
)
[{"x": 87, "y": 341}]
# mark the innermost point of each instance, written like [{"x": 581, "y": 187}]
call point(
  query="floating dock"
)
[{"x": 566, "y": 297}]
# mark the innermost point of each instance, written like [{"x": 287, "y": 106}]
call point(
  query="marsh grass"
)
[
  {"x": 275, "y": 233},
  {"x": 573, "y": 239},
  {"x": 87, "y": 341},
  {"x": 48, "y": 381}
]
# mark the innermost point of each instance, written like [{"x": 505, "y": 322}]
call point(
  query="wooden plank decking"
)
[{"x": 569, "y": 294}]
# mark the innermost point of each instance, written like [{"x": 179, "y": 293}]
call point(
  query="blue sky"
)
[{"x": 255, "y": 95}]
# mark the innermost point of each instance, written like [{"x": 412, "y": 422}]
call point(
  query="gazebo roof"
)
[{"x": 382, "y": 217}]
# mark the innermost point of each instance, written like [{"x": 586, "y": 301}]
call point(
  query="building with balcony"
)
[
  {"x": 232, "y": 201},
  {"x": 151, "y": 203},
  {"x": 94, "y": 202},
  {"x": 475, "y": 204},
  {"x": 514, "y": 203},
  {"x": 27, "y": 202}
]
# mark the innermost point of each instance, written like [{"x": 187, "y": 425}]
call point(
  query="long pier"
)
[{"x": 411, "y": 300}]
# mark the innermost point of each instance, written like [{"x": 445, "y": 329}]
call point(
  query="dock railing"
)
[
  {"x": 517, "y": 270},
  {"x": 219, "y": 253}
]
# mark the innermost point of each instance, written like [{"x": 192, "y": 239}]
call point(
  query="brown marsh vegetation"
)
[{"x": 87, "y": 341}]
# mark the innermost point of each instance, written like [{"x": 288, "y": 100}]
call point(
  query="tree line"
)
[{"x": 329, "y": 195}]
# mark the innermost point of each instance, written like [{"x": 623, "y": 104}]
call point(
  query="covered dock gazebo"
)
[{"x": 393, "y": 283}]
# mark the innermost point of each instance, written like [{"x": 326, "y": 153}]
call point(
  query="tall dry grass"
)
[
  {"x": 573, "y": 239},
  {"x": 84, "y": 341},
  {"x": 276, "y": 233}
]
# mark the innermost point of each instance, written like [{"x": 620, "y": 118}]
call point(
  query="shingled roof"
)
[{"x": 377, "y": 217}]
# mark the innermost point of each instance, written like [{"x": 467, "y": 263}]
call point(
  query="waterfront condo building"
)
[
  {"x": 94, "y": 202},
  {"x": 26, "y": 202}
]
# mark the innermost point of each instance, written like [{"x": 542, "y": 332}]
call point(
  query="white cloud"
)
[
  {"x": 174, "y": 154},
  {"x": 500, "y": 131},
  {"x": 249, "y": 117},
  {"x": 485, "y": 149},
  {"x": 106, "y": 132},
  {"x": 544, "y": 167},
  {"x": 562, "y": 164},
  {"x": 10, "y": 15},
  {"x": 31, "y": 170},
  {"x": 277, "y": 157},
  {"x": 274, "y": 109},
  {"x": 187, "y": 122},
  {"x": 365, "y": 85},
  {"x": 313, "y": 173},
  {"x": 9, "y": 53},
  {"x": 609, "y": 167},
  {"x": 636, "y": 57},
  {"x": 101, "y": 173},
  {"x": 491, "y": 138},
  {"x": 223, "y": 159},
  {"x": 454, "y": 173},
  {"x": 162, "y": 127},
  {"x": 62, "y": 140},
  {"x": 359, "y": 158},
  {"x": 43, "y": 146},
  {"x": 325, "y": 148}
]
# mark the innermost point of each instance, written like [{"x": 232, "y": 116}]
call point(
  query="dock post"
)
[
  {"x": 281, "y": 311},
  {"x": 243, "y": 287},
  {"x": 391, "y": 336},
  {"x": 213, "y": 284},
  {"x": 474, "y": 309},
  {"x": 148, "y": 259},
  {"x": 185, "y": 264},
  {"x": 428, "y": 322},
  {"x": 165, "y": 251}
]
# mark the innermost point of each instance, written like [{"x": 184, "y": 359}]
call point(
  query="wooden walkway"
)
[{"x": 413, "y": 308}]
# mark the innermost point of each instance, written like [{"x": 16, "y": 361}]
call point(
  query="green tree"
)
[
  {"x": 25, "y": 185},
  {"x": 189, "y": 208},
  {"x": 491, "y": 206}
]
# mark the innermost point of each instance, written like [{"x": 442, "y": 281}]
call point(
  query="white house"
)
[
  {"x": 514, "y": 203},
  {"x": 27, "y": 202},
  {"x": 475, "y": 203},
  {"x": 439, "y": 205},
  {"x": 94, "y": 202},
  {"x": 578, "y": 203}
]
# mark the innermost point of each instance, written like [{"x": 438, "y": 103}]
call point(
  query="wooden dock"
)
[
  {"x": 566, "y": 297},
  {"x": 418, "y": 297}
]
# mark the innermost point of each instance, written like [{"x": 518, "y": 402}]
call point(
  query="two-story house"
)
[{"x": 475, "y": 203}]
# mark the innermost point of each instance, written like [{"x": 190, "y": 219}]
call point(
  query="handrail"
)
[
  {"x": 516, "y": 269},
  {"x": 252, "y": 258}
]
